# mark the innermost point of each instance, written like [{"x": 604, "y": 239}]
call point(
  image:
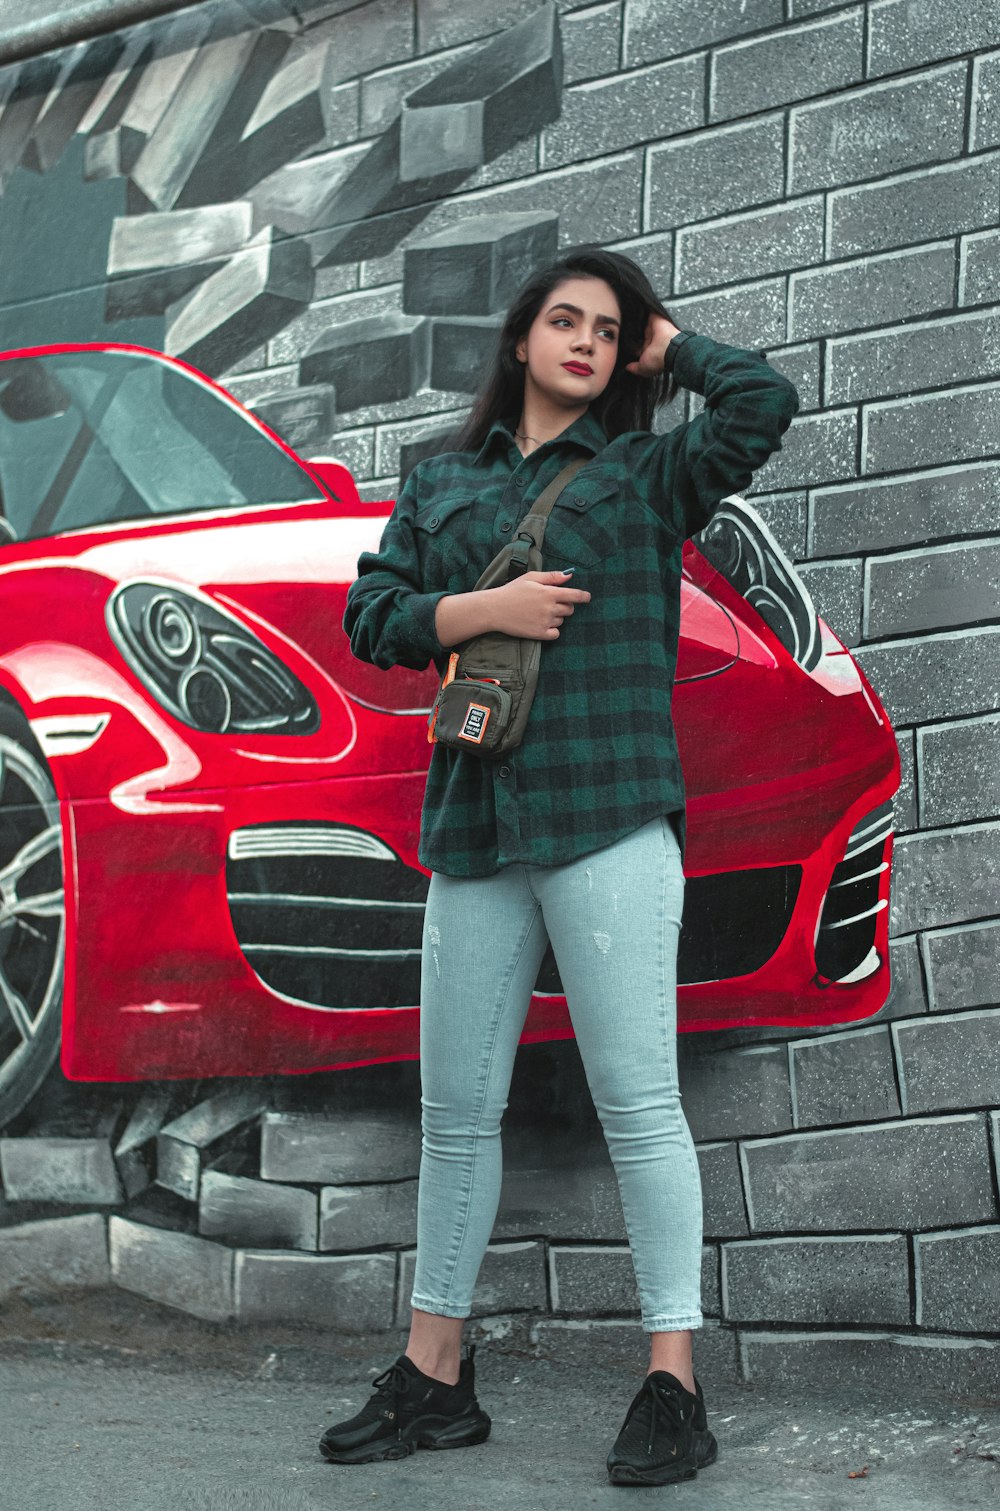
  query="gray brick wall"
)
[
  {"x": 816, "y": 57},
  {"x": 906, "y": 209},
  {"x": 819, "y": 1280},
  {"x": 843, "y": 1078},
  {"x": 734, "y": 1091},
  {"x": 962, "y": 965},
  {"x": 750, "y": 244},
  {"x": 949, "y": 1062},
  {"x": 955, "y": 1274},
  {"x": 815, "y": 178},
  {"x": 916, "y": 1173}
]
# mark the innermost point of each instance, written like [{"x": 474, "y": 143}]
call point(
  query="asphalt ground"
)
[{"x": 112, "y": 1403}]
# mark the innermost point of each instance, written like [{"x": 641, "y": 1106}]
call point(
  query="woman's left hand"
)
[{"x": 659, "y": 333}]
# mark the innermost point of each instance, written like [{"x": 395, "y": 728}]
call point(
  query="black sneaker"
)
[
  {"x": 665, "y": 1434},
  {"x": 410, "y": 1410}
]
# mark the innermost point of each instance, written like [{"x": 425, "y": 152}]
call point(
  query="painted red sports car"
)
[{"x": 209, "y": 810}]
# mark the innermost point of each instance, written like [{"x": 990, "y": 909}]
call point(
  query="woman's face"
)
[{"x": 572, "y": 344}]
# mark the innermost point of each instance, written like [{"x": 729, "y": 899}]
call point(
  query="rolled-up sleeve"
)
[
  {"x": 748, "y": 408},
  {"x": 388, "y": 618}
]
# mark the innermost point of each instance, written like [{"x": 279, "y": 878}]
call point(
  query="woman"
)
[{"x": 578, "y": 837}]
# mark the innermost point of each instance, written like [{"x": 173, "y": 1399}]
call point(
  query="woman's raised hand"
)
[
  {"x": 658, "y": 335},
  {"x": 535, "y": 604}
]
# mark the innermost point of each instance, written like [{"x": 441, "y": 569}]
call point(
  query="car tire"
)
[{"x": 32, "y": 916}]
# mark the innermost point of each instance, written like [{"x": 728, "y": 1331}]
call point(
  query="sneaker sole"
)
[
  {"x": 706, "y": 1451},
  {"x": 463, "y": 1434},
  {"x": 627, "y": 1474}
]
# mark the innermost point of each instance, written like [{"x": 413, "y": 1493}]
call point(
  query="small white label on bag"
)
[{"x": 476, "y": 719}]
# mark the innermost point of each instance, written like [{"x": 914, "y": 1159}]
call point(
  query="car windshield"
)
[{"x": 90, "y": 437}]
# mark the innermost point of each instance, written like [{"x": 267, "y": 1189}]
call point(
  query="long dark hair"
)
[{"x": 628, "y": 402}]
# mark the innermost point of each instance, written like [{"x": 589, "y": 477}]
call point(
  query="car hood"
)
[{"x": 290, "y": 566}]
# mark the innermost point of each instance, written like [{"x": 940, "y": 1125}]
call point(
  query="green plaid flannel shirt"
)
[{"x": 599, "y": 757}]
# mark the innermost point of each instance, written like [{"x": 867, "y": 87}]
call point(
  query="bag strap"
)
[{"x": 531, "y": 531}]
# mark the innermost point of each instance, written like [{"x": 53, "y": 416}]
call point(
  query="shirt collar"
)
[{"x": 585, "y": 431}]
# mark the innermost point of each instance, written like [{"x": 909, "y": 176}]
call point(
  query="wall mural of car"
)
[{"x": 209, "y": 809}]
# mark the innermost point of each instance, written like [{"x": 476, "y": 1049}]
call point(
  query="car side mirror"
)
[
  {"x": 335, "y": 477},
  {"x": 28, "y": 391}
]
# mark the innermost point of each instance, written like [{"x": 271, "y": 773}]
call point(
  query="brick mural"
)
[{"x": 326, "y": 207}]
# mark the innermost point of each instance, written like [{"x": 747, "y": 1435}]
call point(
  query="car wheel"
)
[{"x": 32, "y": 917}]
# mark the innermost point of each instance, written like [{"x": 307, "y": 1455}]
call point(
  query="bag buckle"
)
[{"x": 519, "y": 559}]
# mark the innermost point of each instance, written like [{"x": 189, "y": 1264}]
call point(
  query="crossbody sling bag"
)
[{"x": 489, "y": 685}]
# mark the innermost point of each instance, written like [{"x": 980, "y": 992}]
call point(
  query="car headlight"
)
[
  {"x": 738, "y": 544},
  {"x": 204, "y": 666}
]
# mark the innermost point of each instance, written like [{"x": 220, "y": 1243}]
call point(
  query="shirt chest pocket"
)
[
  {"x": 441, "y": 531},
  {"x": 585, "y": 524}
]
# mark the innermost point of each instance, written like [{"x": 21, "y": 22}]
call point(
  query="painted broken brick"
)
[
  {"x": 106, "y": 108},
  {"x": 154, "y": 293},
  {"x": 212, "y": 104},
  {"x": 371, "y": 361},
  {"x": 486, "y": 102},
  {"x": 228, "y": 164},
  {"x": 476, "y": 266},
  {"x": 146, "y": 243},
  {"x": 53, "y": 1253},
  {"x": 261, "y": 1214},
  {"x": 71, "y": 95},
  {"x": 368, "y": 1216},
  {"x": 135, "y": 1152},
  {"x": 461, "y": 352},
  {"x": 175, "y": 49},
  {"x": 185, "y": 1145},
  {"x": 246, "y": 302},
  {"x": 154, "y": 260},
  {"x": 116, "y": 148},
  {"x": 22, "y": 109},
  {"x": 294, "y": 198},
  {"x": 304, "y": 417},
  {"x": 510, "y": 86},
  {"x": 370, "y": 212},
  {"x": 111, "y": 154},
  {"x": 52, "y": 1164},
  {"x": 342, "y": 1147},
  {"x": 181, "y": 1270},
  {"x": 293, "y": 116},
  {"x": 118, "y": 108}
]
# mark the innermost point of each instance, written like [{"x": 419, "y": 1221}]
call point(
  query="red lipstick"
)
[{"x": 579, "y": 367}]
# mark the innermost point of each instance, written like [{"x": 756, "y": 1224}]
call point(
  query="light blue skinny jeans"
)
[{"x": 614, "y": 918}]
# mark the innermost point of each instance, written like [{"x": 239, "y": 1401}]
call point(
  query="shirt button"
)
[
  {"x": 505, "y": 771},
  {"x": 519, "y": 482},
  {"x": 434, "y": 522},
  {"x": 505, "y": 524}
]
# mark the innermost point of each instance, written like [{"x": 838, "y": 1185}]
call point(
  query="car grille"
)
[
  {"x": 845, "y": 939},
  {"x": 331, "y": 916},
  {"x": 327, "y": 914},
  {"x": 733, "y": 922}
]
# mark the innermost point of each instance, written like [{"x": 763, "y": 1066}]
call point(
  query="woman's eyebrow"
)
[{"x": 601, "y": 319}]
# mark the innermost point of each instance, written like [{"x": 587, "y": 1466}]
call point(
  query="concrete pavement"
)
[{"x": 111, "y": 1403}]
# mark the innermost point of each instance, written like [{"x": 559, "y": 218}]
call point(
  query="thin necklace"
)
[{"x": 525, "y": 437}]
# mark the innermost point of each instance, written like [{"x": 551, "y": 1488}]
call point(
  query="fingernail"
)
[{"x": 568, "y": 571}]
